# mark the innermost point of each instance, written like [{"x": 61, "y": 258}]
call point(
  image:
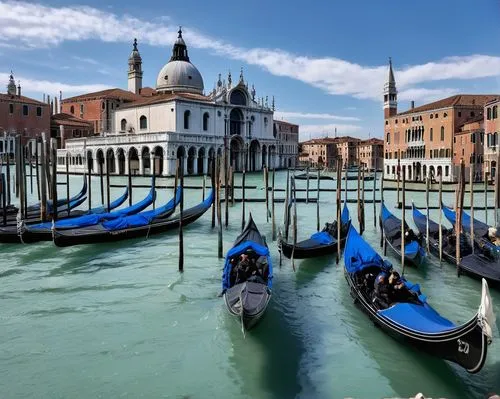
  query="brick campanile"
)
[{"x": 390, "y": 95}]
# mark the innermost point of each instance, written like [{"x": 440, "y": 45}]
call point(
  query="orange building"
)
[
  {"x": 422, "y": 138},
  {"x": 371, "y": 153},
  {"x": 469, "y": 146},
  {"x": 491, "y": 132},
  {"x": 319, "y": 152}
]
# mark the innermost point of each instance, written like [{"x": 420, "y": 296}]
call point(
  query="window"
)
[
  {"x": 143, "y": 122},
  {"x": 396, "y": 121},
  {"x": 473, "y": 138},
  {"x": 265, "y": 121},
  {"x": 11, "y": 109},
  {"x": 38, "y": 111},
  {"x": 488, "y": 113},
  {"x": 393, "y": 170},
  {"x": 445, "y": 115},
  {"x": 494, "y": 112},
  {"x": 81, "y": 108},
  {"x": 431, "y": 134},
  {"x": 432, "y": 116},
  {"x": 205, "y": 121},
  {"x": 25, "y": 110},
  {"x": 472, "y": 113},
  {"x": 435, "y": 115},
  {"x": 103, "y": 105},
  {"x": 186, "y": 119},
  {"x": 388, "y": 138},
  {"x": 463, "y": 152},
  {"x": 123, "y": 125},
  {"x": 387, "y": 169},
  {"x": 446, "y": 170},
  {"x": 442, "y": 133},
  {"x": 72, "y": 109}
]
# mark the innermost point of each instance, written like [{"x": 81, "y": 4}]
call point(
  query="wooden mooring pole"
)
[
  {"x": 471, "y": 192},
  {"x": 219, "y": 209},
  {"x": 317, "y": 205},
  {"x": 43, "y": 178},
  {"x": 67, "y": 184},
  {"x": 37, "y": 176},
  {"x": 427, "y": 184},
  {"x": 243, "y": 210},
  {"x": 486, "y": 197},
  {"x": 286, "y": 216},
  {"x": 307, "y": 185},
  {"x": 374, "y": 192},
  {"x": 440, "y": 198},
  {"x": 266, "y": 184},
  {"x": 339, "y": 191},
  {"x": 180, "y": 173},
  {"x": 273, "y": 210},
  {"x": 459, "y": 213},
  {"x": 129, "y": 179},
  {"x": 403, "y": 222},
  {"x": 53, "y": 144},
  {"x": 294, "y": 222},
  {"x": 108, "y": 200}
]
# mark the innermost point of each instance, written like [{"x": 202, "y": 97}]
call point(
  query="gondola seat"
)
[{"x": 420, "y": 318}]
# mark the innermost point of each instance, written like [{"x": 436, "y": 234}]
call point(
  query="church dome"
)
[{"x": 179, "y": 74}]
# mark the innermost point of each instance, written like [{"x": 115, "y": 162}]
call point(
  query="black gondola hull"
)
[
  {"x": 465, "y": 345},
  {"x": 97, "y": 234},
  {"x": 414, "y": 261},
  {"x": 255, "y": 298},
  {"x": 306, "y": 252}
]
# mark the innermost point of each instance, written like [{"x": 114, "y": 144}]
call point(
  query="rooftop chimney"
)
[
  {"x": 412, "y": 104},
  {"x": 19, "y": 88}
]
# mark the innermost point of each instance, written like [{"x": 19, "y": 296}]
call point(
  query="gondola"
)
[
  {"x": 413, "y": 320},
  {"x": 481, "y": 230},
  {"x": 30, "y": 233},
  {"x": 247, "y": 277},
  {"x": 143, "y": 224},
  {"x": 312, "y": 176},
  {"x": 320, "y": 243},
  {"x": 478, "y": 264},
  {"x": 34, "y": 210},
  {"x": 414, "y": 253}
]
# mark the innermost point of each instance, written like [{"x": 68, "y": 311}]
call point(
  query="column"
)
[
  {"x": 117, "y": 164},
  {"x": 95, "y": 162},
  {"x": 195, "y": 165},
  {"x": 258, "y": 166},
  {"x": 141, "y": 164},
  {"x": 168, "y": 165},
  {"x": 185, "y": 166},
  {"x": 152, "y": 164},
  {"x": 205, "y": 164},
  {"x": 126, "y": 162}
]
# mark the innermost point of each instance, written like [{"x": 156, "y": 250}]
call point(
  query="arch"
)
[
  {"x": 123, "y": 125},
  {"x": 90, "y": 161},
  {"x": 158, "y": 160},
  {"x": 440, "y": 171},
  {"x": 181, "y": 152},
  {"x": 236, "y": 152},
  {"x": 211, "y": 159},
  {"x": 442, "y": 133},
  {"x": 133, "y": 156},
  {"x": 120, "y": 154},
  {"x": 79, "y": 160},
  {"x": 238, "y": 97},
  {"x": 432, "y": 173},
  {"x": 206, "y": 116},
  {"x": 235, "y": 121},
  {"x": 143, "y": 122},
  {"x": 110, "y": 160},
  {"x": 264, "y": 157},
  {"x": 187, "y": 114},
  {"x": 201, "y": 160},
  {"x": 219, "y": 151},
  {"x": 424, "y": 171},
  {"x": 72, "y": 109},
  {"x": 495, "y": 112},
  {"x": 100, "y": 159},
  {"x": 253, "y": 156},
  {"x": 146, "y": 160},
  {"x": 190, "y": 161},
  {"x": 493, "y": 170}
]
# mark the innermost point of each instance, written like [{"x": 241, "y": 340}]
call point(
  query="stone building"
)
[
  {"x": 21, "y": 115},
  {"x": 287, "y": 135},
  {"x": 422, "y": 138},
  {"x": 176, "y": 120},
  {"x": 491, "y": 132},
  {"x": 371, "y": 153},
  {"x": 319, "y": 153}
]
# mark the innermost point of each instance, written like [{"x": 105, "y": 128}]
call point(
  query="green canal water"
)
[{"x": 119, "y": 320}]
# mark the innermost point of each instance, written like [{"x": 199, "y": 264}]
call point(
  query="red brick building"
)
[
  {"x": 64, "y": 126},
  {"x": 491, "y": 132},
  {"x": 22, "y": 115},
  {"x": 469, "y": 146}
]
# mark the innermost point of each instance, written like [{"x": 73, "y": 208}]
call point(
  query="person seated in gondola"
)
[
  {"x": 410, "y": 235},
  {"x": 398, "y": 291},
  {"x": 381, "y": 291},
  {"x": 331, "y": 228}
]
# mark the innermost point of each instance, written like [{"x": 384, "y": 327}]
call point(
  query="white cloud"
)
[
  {"x": 45, "y": 86},
  {"x": 87, "y": 60},
  {"x": 309, "y": 115},
  {"x": 37, "y": 25}
]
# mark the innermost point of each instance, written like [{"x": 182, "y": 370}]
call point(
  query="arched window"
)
[
  {"x": 238, "y": 98},
  {"x": 495, "y": 112},
  {"x": 442, "y": 133},
  {"x": 431, "y": 134},
  {"x": 265, "y": 121},
  {"x": 123, "y": 125},
  {"x": 488, "y": 113},
  {"x": 186, "y": 119},
  {"x": 143, "y": 122},
  {"x": 388, "y": 138},
  {"x": 205, "y": 121},
  {"x": 72, "y": 109}
]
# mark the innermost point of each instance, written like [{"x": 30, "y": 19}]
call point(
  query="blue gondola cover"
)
[{"x": 323, "y": 238}]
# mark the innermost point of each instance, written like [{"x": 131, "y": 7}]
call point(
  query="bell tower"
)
[
  {"x": 135, "y": 70},
  {"x": 390, "y": 95}
]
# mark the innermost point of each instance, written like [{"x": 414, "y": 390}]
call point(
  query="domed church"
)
[{"x": 179, "y": 120}]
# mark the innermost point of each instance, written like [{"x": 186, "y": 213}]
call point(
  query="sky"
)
[{"x": 325, "y": 61}]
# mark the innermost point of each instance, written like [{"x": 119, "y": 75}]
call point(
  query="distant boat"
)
[
  {"x": 409, "y": 317},
  {"x": 313, "y": 176}
]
